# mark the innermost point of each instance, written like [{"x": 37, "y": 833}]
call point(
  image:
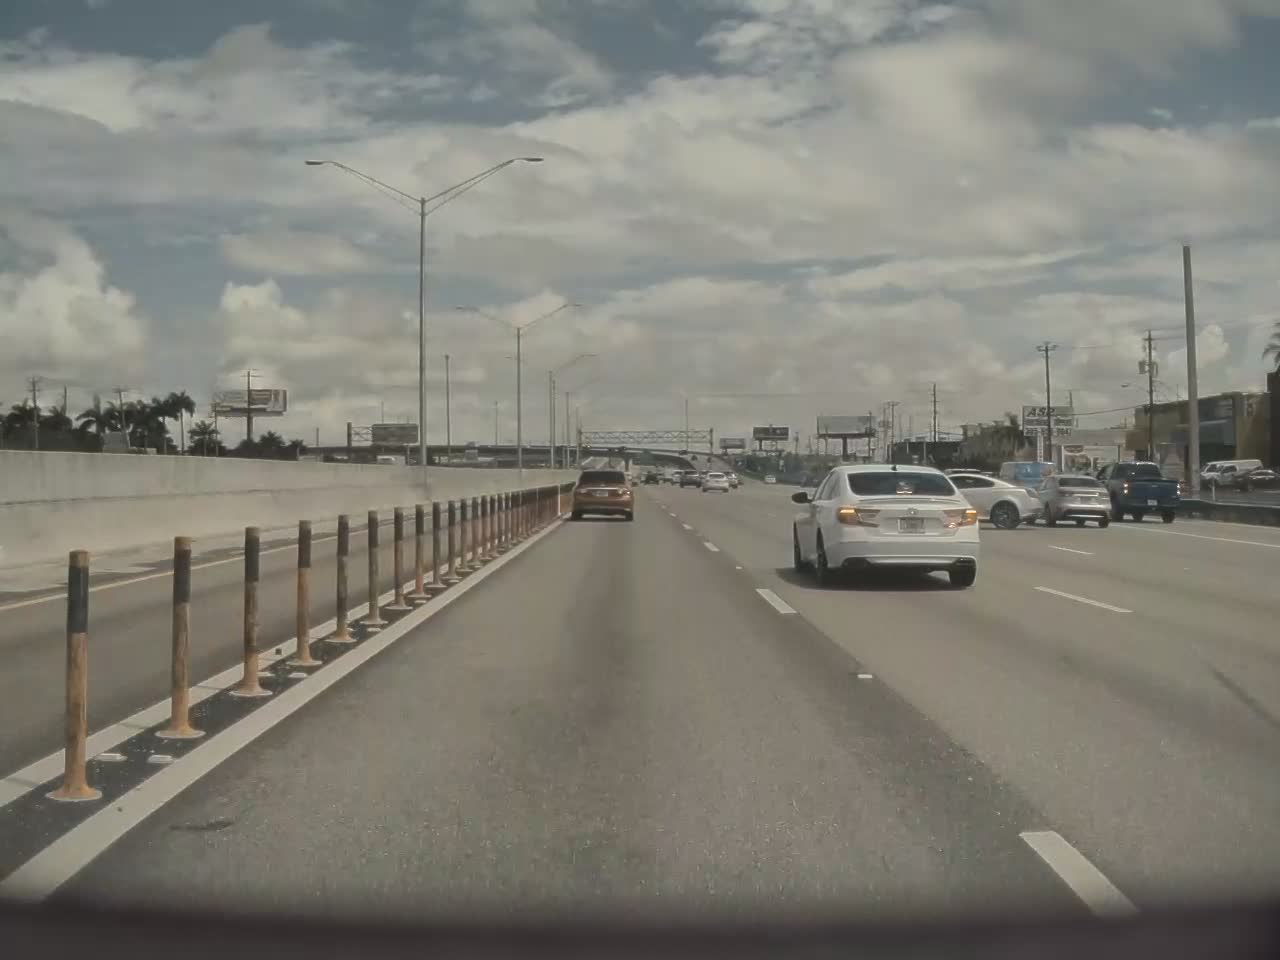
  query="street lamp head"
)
[
  {"x": 530, "y": 159},
  {"x": 315, "y": 163}
]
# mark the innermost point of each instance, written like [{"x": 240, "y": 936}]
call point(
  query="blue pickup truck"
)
[{"x": 1140, "y": 488}]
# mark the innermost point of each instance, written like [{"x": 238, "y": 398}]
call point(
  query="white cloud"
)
[
  {"x": 294, "y": 252},
  {"x": 59, "y": 317}
]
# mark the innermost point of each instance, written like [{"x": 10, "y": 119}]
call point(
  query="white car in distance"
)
[
  {"x": 1005, "y": 504},
  {"x": 886, "y": 517},
  {"x": 715, "y": 481}
]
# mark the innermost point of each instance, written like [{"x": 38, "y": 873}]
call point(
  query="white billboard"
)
[
  {"x": 264, "y": 403},
  {"x": 858, "y": 426}
]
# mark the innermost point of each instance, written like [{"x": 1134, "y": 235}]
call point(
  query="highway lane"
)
[
  {"x": 1149, "y": 737},
  {"x": 130, "y": 629},
  {"x": 616, "y": 720}
]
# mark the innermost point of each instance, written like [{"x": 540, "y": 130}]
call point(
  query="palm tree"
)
[
  {"x": 98, "y": 419},
  {"x": 271, "y": 443},
  {"x": 1272, "y": 351},
  {"x": 20, "y": 416},
  {"x": 56, "y": 420},
  {"x": 204, "y": 436},
  {"x": 181, "y": 404}
]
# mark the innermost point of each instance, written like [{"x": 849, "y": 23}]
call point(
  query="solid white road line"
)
[
  {"x": 57, "y": 863},
  {"x": 1086, "y": 881},
  {"x": 1195, "y": 536},
  {"x": 1092, "y": 603},
  {"x": 1083, "y": 553},
  {"x": 775, "y": 601},
  {"x": 710, "y": 546}
]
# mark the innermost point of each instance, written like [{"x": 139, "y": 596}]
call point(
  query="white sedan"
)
[
  {"x": 715, "y": 481},
  {"x": 876, "y": 516},
  {"x": 1005, "y": 504}
]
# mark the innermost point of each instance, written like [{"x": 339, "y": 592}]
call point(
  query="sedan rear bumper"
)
[{"x": 933, "y": 553}]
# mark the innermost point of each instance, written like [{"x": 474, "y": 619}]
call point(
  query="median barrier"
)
[
  {"x": 179, "y": 727},
  {"x": 249, "y": 685},
  {"x": 342, "y": 627},
  {"x": 487, "y": 519},
  {"x": 52, "y": 502},
  {"x": 451, "y": 577},
  {"x": 302, "y": 618},
  {"x": 1256, "y": 514},
  {"x": 75, "y": 783},
  {"x": 419, "y": 594},
  {"x": 397, "y": 561}
]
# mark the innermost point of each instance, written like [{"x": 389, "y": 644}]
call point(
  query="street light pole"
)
[
  {"x": 448, "y": 413},
  {"x": 551, "y": 416},
  {"x": 424, "y": 206},
  {"x": 519, "y": 329}
]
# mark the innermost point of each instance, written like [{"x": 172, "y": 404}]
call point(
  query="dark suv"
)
[{"x": 690, "y": 478}]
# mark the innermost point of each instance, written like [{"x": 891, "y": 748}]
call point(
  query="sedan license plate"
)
[
  {"x": 1153, "y": 503},
  {"x": 911, "y": 525}
]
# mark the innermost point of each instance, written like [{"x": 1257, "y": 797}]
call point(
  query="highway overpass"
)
[{"x": 615, "y": 716}]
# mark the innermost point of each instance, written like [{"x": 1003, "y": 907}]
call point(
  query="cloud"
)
[
  {"x": 294, "y": 252},
  {"x": 59, "y": 318}
]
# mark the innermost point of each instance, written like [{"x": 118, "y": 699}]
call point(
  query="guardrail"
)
[{"x": 486, "y": 528}]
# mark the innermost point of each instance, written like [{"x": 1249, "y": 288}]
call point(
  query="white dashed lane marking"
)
[
  {"x": 1086, "y": 881},
  {"x": 1092, "y": 603},
  {"x": 710, "y": 546},
  {"x": 1083, "y": 553},
  {"x": 775, "y": 601}
]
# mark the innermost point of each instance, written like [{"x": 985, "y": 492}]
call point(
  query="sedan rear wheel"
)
[
  {"x": 962, "y": 577},
  {"x": 1104, "y": 522},
  {"x": 826, "y": 576},
  {"x": 1004, "y": 516},
  {"x": 1079, "y": 521}
]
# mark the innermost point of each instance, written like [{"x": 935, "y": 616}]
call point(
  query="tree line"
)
[{"x": 145, "y": 424}]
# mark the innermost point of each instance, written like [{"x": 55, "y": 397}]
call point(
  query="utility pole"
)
[
  {"x": 871, "y": 421},
  {"x": 64, "y": 402},
  {"x": 1047, "y": 348},
  {"x": 935, "y": 415},
  {"x": 686, "y": 423},
  {"x": 448, "y": 413},
  {"x": 248, "y": 405},
  {"x": 35, "y": 413},
  {"x": 893, "y": 427},
  {"x": 495, "y": 425},
  {"x": 317, "y": 438},
  {"x": 1193, "y": 386},
  {"x": 1151, "y": 398}
]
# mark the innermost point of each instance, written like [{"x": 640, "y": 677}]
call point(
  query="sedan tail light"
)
[
  {"x": 862, "y": 516},
  {"x": 960, "y": 518}
]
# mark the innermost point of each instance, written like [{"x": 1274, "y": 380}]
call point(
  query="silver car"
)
[
  {"x": 1075, "y": 497},
  {"x": 1005, "y": 504}
]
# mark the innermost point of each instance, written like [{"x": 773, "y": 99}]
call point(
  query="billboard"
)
[
  {"x": 733, "y": 443},
  {"x": 1035, "y": 419},
  {"x": 771, "y": 433},
  {"x": 394, "y": 434},
  {"x": 265, "y": 403},
  {"x": 862, "y": 426}
]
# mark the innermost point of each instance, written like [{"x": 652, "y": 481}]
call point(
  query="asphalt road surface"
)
[{"x": 619, "y": 719}]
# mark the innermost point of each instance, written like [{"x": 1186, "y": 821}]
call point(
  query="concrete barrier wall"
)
[
  {"x": 54, "y": 502},
  {"x": 1257, "y": 514}
]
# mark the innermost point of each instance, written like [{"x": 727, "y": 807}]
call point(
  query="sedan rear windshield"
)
[
  {"x": 1078, "y": 482},
  {"x": 900, "y": 483},
  {"x": 606, "y": 477}
]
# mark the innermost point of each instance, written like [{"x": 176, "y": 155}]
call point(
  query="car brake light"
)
[
  {"x": 847, "y": 515},
  {"x": 960, "y": 518},
  {"x": 860, "y": 516}
]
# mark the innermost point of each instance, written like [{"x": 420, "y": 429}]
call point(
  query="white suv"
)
[
  {"x": 715, "y": 481},
  {"x": 883, "y": 516}
]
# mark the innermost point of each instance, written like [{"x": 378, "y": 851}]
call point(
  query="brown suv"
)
[{"x": 604, "y": 492}]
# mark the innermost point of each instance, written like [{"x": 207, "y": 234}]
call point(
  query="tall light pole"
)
[
  {"x": 551, "y": 397},
  {"x": 519, "y": 328},
  {"x": 448, "y": 413},
  {"x": 423, "y": 206}
]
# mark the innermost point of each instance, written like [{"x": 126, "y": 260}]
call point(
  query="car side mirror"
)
[{"x": 800, "y": 497}]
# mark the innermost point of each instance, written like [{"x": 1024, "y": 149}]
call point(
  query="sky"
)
[{"x": 773, "y": 208}]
